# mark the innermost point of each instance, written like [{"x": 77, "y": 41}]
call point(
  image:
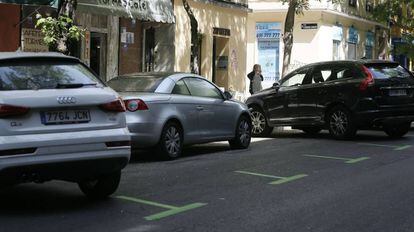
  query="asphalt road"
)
[{"x": 290, "y": 182}]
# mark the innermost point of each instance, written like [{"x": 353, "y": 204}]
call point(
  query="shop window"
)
[
  {"x": 368, "y": 52},
  {"x": 336, "y": 50},
  {"x": 149, "y": 49},
  {"x": 353, "y": 3},
  {"x": 352, "y": 51}
]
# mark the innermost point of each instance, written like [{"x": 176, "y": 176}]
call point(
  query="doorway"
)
[
  {"x": 98, "y": 54},
  {"x": 220, "y": 61}
]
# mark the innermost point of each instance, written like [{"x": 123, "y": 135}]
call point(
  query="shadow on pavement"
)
[{"x": 46, "y": 199}]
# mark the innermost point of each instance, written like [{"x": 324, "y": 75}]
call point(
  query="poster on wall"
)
[
  {"x": 32, "y": 41},
  {"x": 268, "y": 42}
]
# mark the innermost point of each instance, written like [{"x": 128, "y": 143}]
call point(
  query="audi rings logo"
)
[{"x": 66, "y": 100}]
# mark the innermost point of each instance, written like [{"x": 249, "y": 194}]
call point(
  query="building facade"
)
[
  {"x": 222, "y": 26},
  {"x": 325, "y": 32}
]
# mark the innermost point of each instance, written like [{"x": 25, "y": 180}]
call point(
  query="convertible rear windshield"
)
[
  {"x": 388, "y": 70},
  {"x": 146, "y": 84},
  {"x": 33, "y": 75}
]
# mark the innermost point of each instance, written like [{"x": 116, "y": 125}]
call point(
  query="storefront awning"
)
[
  {"x": 147, "y": 10},
  {"x": 52, "y": 3}
]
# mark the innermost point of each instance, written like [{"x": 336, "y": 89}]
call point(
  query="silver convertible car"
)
[{"x": 169, "y": 110}]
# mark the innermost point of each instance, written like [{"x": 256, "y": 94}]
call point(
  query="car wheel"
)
[
  {"x": 397, "y": 130},
  {"x": 243, "y": 134},
  {"x": 259, "y": 123},
  {"x": 171, "y": 141},
  {"x": 101, "y": 187},
  {"x": 340, "y": 123},
  {"x": 314, "y": 130}
]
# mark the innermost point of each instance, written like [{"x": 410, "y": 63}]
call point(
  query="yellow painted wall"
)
[{"x": 210, "y": 16}]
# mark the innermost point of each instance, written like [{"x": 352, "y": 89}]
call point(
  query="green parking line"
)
[
  {"x": 396, "y": 148},
  {"x": 347, "y": 160},
  {"x": 172, "y": 210},
  {"x": 281, "y": 180}
]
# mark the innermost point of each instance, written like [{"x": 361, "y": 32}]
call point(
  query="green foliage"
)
[
  {"x": 59, "y": 32},
  {"x": 406, "y": 48}
]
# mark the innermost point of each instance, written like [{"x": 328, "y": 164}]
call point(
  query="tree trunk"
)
[
  {"x": 195, "y": 55},
  {"x": 288, "y": 36}
]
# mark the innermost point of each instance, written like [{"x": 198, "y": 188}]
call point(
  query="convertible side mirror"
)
[
  {"x": 228, "y": 95},
  {"x": 276, "y": 85}
]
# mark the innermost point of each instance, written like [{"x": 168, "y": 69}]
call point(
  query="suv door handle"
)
[
  {"x": 199, "y": 108},
  {"x": 323, "y": 91}
]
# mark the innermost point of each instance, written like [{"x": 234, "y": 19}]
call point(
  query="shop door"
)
[
  {"x": 164, "y": 48},
  {"x": 149, "y": 50},
  {"x": 98, "y": 54},
  {"x": 220, "y": 61}
]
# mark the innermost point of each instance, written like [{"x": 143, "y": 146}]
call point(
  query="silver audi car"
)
[
  {"x": 59, "y": 121},
  {"x": 169, "y": 110}
]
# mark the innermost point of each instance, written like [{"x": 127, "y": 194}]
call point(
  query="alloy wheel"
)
[
  {"x": 339, "y": 122},
  {"x": 258, "y": 122},
  {"x": 244, "y": 132},
  {"x": 172, "y": 141}
]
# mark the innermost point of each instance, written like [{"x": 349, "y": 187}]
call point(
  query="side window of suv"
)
[{"x": 295, "y": 79}]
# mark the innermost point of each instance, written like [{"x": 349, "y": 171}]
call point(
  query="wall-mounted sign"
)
[
  {"x": 221, "y": 31},
  {"x": 268, "y": 45},
  {"x": 337, "y": 33},
  {"x": 32, "y": 40},
  {"x": 353, "y": 35},
  {"x": 222, "y": 62},
  {"x": 309, "y": 26}
]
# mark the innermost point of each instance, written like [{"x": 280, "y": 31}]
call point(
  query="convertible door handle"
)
[{"x": 199, "y": 108}]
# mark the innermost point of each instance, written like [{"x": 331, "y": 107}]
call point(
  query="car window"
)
[
  {"x": 388, "y": 70},
  {"x": 146, "y": 84},
  {"x": 181, "y": 88},
  {"x": 295, "y": 79},
  {"x": 202, "y": 88},
  {"x": 23, "y": 75}
]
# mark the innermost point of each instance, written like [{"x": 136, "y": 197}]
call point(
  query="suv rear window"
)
[
  {"x": 388, "y": 70},
  {"x": 33, "y": 75}
]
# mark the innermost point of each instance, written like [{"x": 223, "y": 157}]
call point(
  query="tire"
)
[
  {"x": 170, "y": 145},
  {"x": 340, "y": 123},
  {"x": 260, "y": 128},
  {"x": 243, "y": 134},
  {"x": 102, "y": 187},
  {"x": 396, "y": 131},
  {"x": 314, "y": 130}
]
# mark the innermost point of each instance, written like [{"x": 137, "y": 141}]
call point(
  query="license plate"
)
[
  {"x": 65, "y": 117},
  {"x": 397, "y": 92}
]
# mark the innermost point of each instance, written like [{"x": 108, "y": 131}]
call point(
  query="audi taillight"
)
[
  {"x": 9, "y": 110},
  {"x": 368, "y": 81},
  {"x": 114, "y": 106},
  {"x": 133, "y": 105}
]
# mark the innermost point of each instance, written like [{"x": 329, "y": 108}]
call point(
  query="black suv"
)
[{"x": 342, "y": 96}]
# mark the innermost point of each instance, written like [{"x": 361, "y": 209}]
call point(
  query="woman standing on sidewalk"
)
[{"x": 256, "y": 79}]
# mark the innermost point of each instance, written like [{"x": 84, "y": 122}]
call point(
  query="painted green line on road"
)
[
  {"x": 259, "y": 174},
  {"x": 396, "y": 148},
  {"x": 347, "y": 160},
  {"x": 146, "y": 202},
  {"x": 281, "y": 180},
  {"x": 172, "y": 210},
  {"x": 288, "y": 179}
]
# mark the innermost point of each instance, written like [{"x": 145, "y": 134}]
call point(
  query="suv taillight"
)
[
  {"x": 368, "y": 81},
  {"x": 133, "y": 105},
  {"x": 114, "y": 106},
  {"x": 9, "y": 110}
]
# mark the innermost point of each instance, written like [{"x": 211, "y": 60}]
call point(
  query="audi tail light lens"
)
[
  {"x": 368, "y": 81},
  {"x": 9, "y": 110},
  {"x": 133, "y": 105},
  {"x": 114, "y": 106}
]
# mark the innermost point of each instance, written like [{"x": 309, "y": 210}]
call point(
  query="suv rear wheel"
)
[
  {"x": 397, "y": 130},
  {"x": 340, "y": 123},
  {"x": 101, "y": 187},
  {"x": 260, "y": 127}
]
